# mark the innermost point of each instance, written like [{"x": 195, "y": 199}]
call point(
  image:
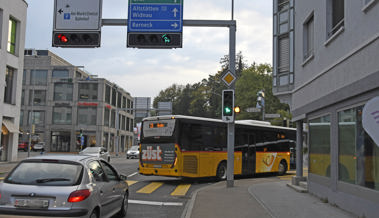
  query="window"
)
[
  {"x": 23, "y": 97},
  {"x": 96, "y": 171},
  {"x": 284, "y": 54},
  {"x": 336, "y": 14},
  {"x": 358, "y": 159},
  {"x": 114, "y": 97},
  {"x": 63, "y": 92},
  {"x": 12, "y": 31},
  {"x": 367, "y": 4},
  {"x": 24, "y": 78},
  {"x": 124, "y": 102},
  {"x": 1, "y": 26},
  {"x": 60, "y": 74},
  {"x": 319, "y": 146},
  {"x": 119, "y": 97},
  {"x": 21, "y": 117},
  {"x": 308, "y": 38},
  {"x": 39, "y": 97},
  {"x": 38, "y": 117},
  {"x": 107, "y": 94},
  {"x": 10, "y": 82},
  {"x": 39, "y": 77},
  {"x": 113, "y": 119},
  {"x": 62, "y": 115},
  {"x": 106, "y": 117},
  {"x": 87, "y": 115},
  {"x": 87, "y": 91},
  {"x": 109, "y": 171}
]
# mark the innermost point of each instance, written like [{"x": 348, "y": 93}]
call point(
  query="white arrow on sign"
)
[
  {"x": 175, "y": 25},
  {"x": 175, "y": 10}
]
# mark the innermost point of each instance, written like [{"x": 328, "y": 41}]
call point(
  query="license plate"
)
[
  {"x": 157, "y": 166},
  {"x": 31, "y": 203}
]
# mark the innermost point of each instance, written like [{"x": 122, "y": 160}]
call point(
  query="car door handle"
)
[{"x": 101, "y": 192}]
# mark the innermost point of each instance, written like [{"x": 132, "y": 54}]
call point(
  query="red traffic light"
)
[{"x": 62, "y": 38}]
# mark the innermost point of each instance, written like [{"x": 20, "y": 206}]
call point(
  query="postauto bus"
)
[{"x": 185, "y": 146}]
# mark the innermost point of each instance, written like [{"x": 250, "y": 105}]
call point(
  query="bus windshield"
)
[{"x": 159, "y": 128}]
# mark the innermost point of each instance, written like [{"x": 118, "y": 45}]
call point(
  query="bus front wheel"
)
[{"x": 221, "y": 171}]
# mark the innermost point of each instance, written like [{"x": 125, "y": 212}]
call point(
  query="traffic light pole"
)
[{"x": 231, "y": 24}]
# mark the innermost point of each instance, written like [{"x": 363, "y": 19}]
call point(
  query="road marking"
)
[
  {"x": 131, "y": 182},
  {"x": 155, "y": 203},
  {"x": 150, "y": 188},
  {"x": 181, "y": 190},
  {"x": 133, "y": 174}
]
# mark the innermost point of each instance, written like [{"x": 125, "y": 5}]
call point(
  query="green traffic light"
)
[{"x": 227, "y": 110}]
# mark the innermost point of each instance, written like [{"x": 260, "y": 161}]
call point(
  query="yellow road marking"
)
[
  {"x": 150, "y": 188},
  {"x": 181, "y": 190},
  {"x": 130, "y": 182}
]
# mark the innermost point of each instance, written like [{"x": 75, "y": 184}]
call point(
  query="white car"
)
[
  {"x": 133, "y": 152},
  {"x": 97, "y": 152},
  {"x": 39, "y": 146}
]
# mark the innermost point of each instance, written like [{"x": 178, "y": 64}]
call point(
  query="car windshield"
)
[
  {"x": 91, "y": 150},
  {"x": 46, "y": 174},
  {"x": 134, "y": 148}
]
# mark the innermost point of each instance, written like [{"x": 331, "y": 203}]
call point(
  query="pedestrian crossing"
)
[{"x": 180, "y": 190}]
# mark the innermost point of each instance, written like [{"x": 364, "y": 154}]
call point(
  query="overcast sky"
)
[{"x": 145, "y": 72}]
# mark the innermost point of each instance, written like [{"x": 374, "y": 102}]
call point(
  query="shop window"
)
[
  {"x": 87, "y": 115},
  {"x": 358, "y": 154},
  {"x": 62, "y": 115},
  {"x": 319, "y": 146}
]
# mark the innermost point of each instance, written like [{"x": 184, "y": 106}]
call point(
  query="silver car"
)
[
  {"x": 133, "y": 152},
  {"x": 97, "y": 152},
  {"x": 66, "y": 186}
]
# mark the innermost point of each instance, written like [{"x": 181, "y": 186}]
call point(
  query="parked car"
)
[
  {"x": 39, "y": 146},
  {"x": 23, "y": 146},
  {"x": 64, "y": 185},
  {"x": 97, "y": 152},
  {"x": 133, "y": 152}
]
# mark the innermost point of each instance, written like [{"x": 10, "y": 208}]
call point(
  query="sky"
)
[{"x": 145, "y": 72}]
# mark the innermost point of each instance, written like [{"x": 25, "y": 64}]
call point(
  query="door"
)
[{"x": 248, "y": 156}]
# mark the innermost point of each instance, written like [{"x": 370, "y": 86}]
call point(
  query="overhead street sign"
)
[
  {"x": 78, "y": 15},
  {"x": 155, "y": 16},
  {"x": 253, "y": 109},
  {"x": 272, "y": 115}
]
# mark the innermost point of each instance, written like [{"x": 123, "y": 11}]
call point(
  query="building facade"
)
[
  {"x": 330, "y": 54},
  {"x": 12, "y": 43},
  {"x": 69, "y": 109}
]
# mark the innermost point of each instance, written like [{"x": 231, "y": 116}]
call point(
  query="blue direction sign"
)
[{"x": 155, "y": 16}]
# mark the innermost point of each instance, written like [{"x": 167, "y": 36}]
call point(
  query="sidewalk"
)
[{"x": 260, "y": 198}]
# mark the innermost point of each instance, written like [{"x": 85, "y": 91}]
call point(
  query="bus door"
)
[{"x": 248, "y": 156}]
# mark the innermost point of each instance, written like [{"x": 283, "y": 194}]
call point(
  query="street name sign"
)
[
  {"x": 155, "y": 16},
  {"x": 80, "y": 15},
  {"x": 272, "y": 115},
  {"x": 253, "y": 109}
]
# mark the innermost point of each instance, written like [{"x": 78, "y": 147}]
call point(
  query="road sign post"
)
[{"x": 155, "y": 23}]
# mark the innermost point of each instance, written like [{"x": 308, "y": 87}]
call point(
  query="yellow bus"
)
[{"x": 185, "y": 146}]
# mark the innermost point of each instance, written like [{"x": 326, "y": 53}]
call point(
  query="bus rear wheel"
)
[
  {"x": 282, "y": 169},
  {"x": 221, "y": 171}
]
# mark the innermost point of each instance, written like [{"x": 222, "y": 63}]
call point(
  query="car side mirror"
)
[{"x": 123, "y": 177}]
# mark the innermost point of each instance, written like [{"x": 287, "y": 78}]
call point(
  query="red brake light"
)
[{"x": 79, "y": 195}]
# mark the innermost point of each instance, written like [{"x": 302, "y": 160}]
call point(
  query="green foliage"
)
[{"x": 204, "y": 98}]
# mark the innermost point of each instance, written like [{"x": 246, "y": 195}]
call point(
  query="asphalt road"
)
[{"x": 156, "y": 196}]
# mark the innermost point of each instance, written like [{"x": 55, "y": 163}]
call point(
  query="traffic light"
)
[
  {"x": 76, "y": 39},
  {"x": 237, "y": 109},
  {"x": 227, "y": 105},
  {"x": 154, "y": 40}
]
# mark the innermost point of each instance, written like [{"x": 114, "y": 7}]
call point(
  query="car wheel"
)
[
  {"x": 221, "y": 171},
  {"x": 124, "y": 206},
  {"x": 94, "y": 214}
]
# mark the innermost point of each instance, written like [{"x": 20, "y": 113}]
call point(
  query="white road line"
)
[
  {"x": 133, "y": 174},
  {"x": 155, "y": 203}
]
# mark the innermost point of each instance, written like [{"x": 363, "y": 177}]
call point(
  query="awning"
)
[{"x": 10, "y": 126}]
